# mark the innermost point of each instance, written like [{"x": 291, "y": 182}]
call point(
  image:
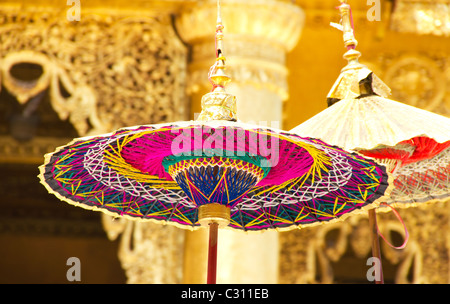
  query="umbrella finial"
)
[
  {"x": 218, "y": 104},
  {"x": 355, "y": 80},
  {"x": 350, "y": 41}
]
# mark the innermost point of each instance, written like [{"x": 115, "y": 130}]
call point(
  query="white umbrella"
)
[{"x": 413, "y": 143}]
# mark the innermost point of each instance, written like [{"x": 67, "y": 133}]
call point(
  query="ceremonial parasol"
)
[
  {"x": 214, "y": 172},
  {"x": 413, "y": 143}
]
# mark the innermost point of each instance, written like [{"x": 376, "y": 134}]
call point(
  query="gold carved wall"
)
[
  {"x": 422, "y": 17},
  {"x": 338, "y": 253},
  {"x": 103, "y": 72},
  {"x": 111, "y": 68},
  {"x": 411, "y": 55}
]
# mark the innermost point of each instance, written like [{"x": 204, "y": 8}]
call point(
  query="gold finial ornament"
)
[
  {"x": 356, "y": 79},
  {"x": 218, "y": 104},
  {"x": 347, "y": 27}
]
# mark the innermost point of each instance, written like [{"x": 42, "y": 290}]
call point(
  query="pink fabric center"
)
[{"x": 286, "y": 159}]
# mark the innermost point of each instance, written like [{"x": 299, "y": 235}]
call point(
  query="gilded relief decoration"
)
[
  {"x": 418, "y": 80},
  {"x": 313, "y": 255},
  {"x": 149, "y": 253},
  {"x": 102, "y": 72},
  {"x": 422, "y": 17}
]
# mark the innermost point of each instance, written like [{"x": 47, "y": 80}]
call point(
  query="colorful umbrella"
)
[
  {"x": 214, "y": 172},
  {"x": 413, "y": 143}
]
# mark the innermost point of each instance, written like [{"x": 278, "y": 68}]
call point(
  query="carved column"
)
[{"x": 257, "y": 36}]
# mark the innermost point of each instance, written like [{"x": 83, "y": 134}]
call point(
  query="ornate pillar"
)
[{"x": 257, "y": 36}]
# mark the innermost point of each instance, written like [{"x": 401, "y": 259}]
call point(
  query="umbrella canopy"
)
[
  {"x": 413, "y": 143},
  {"x": 214, "y": 169},
  {"x": 389, "y": 128},
  {"x": 268, "y": 178}
]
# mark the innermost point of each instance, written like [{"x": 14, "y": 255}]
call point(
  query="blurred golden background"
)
[{"x": 85, "y": 68}]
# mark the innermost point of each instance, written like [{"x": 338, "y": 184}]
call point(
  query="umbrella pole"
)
[
  {"x": 213, "y": 216},
  {"x": 376, "y": 252},
  {"x": 212, "y": 253}
]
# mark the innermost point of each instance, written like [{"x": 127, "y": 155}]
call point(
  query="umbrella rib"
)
[
  {"x": 308, "y": 208},
  {"x": 240, "y": 215},
  {"x": 173, "y": 210},
  {"x": 151, "y": 207},
  {"x": 266, "y": 215},
  {"x": 290, "y": 218}
]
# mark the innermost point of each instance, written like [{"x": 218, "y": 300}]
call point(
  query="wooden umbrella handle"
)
[{"x": 212, "y": 253}]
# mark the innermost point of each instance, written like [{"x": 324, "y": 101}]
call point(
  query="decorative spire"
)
[
  {"x": 355, "y": 80},
  {"x": 218, "y": 104},
  {"x": 350, "y": 41}
]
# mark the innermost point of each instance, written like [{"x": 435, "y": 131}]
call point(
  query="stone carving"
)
[
  {"x": 416, "y": 80},
  {"x": 422, "y": 17},
  {"x": 102, "y": 73},
  {"x": 424, "y": 260},
  {"x": 149, "y": 253}
]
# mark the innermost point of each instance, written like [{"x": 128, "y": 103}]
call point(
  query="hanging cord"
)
[
  {"x": 391, "y": 166},
  {"x": 404, "y": 226}
]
